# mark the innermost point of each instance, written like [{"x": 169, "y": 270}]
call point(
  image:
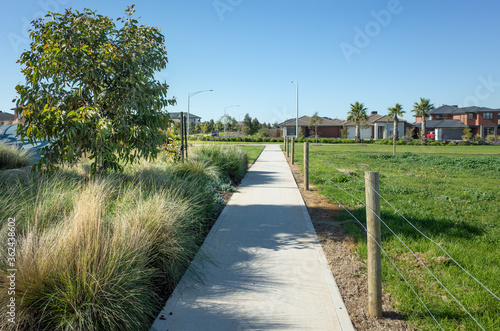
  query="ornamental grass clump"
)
[
  {"x": 103, "y": 253},
  {"x": 13, "y": 157},
  {"x": 231, "y": 161},
  {"x": 85, "y": 273}
]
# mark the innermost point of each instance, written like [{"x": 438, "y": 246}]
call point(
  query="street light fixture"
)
[
  {"x": 297, "y": 110},
  {"x": 189, "y": 97},
  {"x": 225, "y": 119}
]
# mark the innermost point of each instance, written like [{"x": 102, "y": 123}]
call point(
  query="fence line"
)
[
  {"x": 417, "y": 229},
  {"x": 385, "y": 254},
  {"x": 401, "y": 241},
  {"x": 412, "y": 252}
]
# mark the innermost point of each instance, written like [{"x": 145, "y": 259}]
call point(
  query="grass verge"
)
[{"x": 453, "y": 200}]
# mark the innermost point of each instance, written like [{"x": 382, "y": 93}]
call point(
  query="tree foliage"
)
[
  {"x": 208, "y": 126},
  {"x": 250, "y": 126},
  {"x": 314, "y": 122},
  {"x": 358, "y": 115},
  {"x": 422, "y": 109},
  {"x": 467, "y": 134},
  {"x": 90, "y": 89}
]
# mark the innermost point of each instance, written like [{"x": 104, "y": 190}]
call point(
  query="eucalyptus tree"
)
[
  {"x": 90, "y": 89},
  {"x": 358, "y": 115},
  {"x": 394, "y": 112}
]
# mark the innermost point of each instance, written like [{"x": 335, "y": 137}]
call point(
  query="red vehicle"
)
[{"x": 430, "y": 135}]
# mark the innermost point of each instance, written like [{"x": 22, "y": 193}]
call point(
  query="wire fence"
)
[{"x": 338, "y": 190}]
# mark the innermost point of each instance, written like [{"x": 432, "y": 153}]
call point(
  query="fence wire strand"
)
[
  {"x": 418, "y": 230},
  {"x": 412, "y": 252},
  {"x": 402, "y": 242},
  {"x": 385, "y": 254}
]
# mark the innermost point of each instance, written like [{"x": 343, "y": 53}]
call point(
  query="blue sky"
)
[{"x": 248, "y": 52}]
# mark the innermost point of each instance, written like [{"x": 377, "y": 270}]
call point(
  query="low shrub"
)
[
  {"x": 491, "y": 138},
  {"x": 383, "y": 142}
]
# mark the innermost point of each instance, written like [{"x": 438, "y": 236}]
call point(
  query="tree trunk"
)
[
  {"x": 423, "y": 133},
  {"x": 395, "y": 135},
  {"x": 356, "y": 137}
]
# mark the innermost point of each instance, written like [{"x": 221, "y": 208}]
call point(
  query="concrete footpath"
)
[{"x": 261, "y": 266}]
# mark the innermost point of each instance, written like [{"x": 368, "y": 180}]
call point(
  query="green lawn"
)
[
  {"x": 253, "y": 152},
  {"x": 473, "y": 150},
  {"x": 450, "y": 193}
]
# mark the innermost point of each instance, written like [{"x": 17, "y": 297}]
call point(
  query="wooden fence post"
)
[
  {"x": 284, "y": 143},
  {"x": 182, "y": 136},
  {"x": 373, "y": 240},
  {"x": 306, "y": 166},
  {"x": 186, "y": 134},
  {"x": 293, "y": 150},
  {"x": 287, "y": 147}
]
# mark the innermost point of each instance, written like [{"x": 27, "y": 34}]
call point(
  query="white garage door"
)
[{"x": 365, "y": 133}]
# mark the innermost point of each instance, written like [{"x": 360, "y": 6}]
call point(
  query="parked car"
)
[
  {"x": 215, "y": 134},
  {"x": 430, "y": 135}
]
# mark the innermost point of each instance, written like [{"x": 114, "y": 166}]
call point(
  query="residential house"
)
[
  {"x": 193, "y": 119},
  {"x": 6, "y": 118},
  {"x": 450, "y": 121},
  {"x": 377, "y": 127},
  {"x": 328, "y": 128}
]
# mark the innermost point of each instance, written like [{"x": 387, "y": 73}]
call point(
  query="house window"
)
[
  {"x": 471, "y": 116},
  {"x": 381, "y": 130},
  {"x": 487, "y": 116},
  {"x": 488, "y": 131}
]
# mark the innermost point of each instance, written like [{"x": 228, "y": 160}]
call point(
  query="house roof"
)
[
  {"x": 446, "y": 110},
  {"x": 372, "y": 119},
  {"x": 6, "y": 116},
  {"x": 304, "y": 121},
  {"x": 177, "y": 116},
  {"x": 444, "y": 124}
]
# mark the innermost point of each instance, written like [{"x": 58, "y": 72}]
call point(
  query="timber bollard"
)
[
  {"x": 373, "y": 240},
  {"x": 306, "y": 166},
  {"x": 182, "y": 135},
  {"x": 293, "y": 150},
  {"x": 186, "y": 134},
  {"x": 287, "y": 147}
]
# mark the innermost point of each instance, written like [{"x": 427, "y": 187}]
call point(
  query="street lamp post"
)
[
  {"x": 297, "y": 109},
  {"x": 189, "y": 97},
  {"x": 225, "y": 119}
]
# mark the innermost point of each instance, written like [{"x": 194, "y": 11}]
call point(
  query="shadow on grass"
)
[{"x": 432, "y": 227}]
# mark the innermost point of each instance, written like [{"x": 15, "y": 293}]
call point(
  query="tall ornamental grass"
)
[
  {"x": 100, "y": 254},
  {"x": 13, "y": 157}
]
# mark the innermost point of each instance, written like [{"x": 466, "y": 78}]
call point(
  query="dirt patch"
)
[{"x": 349, "y": 271}]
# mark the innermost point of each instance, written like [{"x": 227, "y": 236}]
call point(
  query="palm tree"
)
[
  {"x": 357, "y": 114},
  {"x": 394, "y": 112},
  {"x": 422, "y": 109}
]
